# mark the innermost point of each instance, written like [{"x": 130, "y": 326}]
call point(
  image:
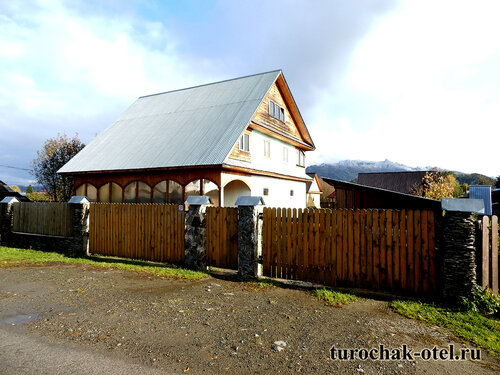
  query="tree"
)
[
  {"x": 439, "y": 185},
  {"x": 54, "y": 154},
  {"x": 29, "y": 189},
  {"x": 16, "y": 189},
  {"x": 497, "y": 183}
]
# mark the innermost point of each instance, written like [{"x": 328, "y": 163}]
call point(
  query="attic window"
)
[
  {"x": 276, "y": 111},
  {"x": 245, "y": 143}
]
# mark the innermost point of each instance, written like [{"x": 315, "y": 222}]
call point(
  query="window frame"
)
[
  {"x": 276, "y": 111},
  {"x": 301, "y": 158},
  {"x": 244, "y": 141},
  {"x": 267, "y": 148}
]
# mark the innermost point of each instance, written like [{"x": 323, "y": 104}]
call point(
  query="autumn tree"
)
[
  {"x": 16, "y": 188},
  {"x": 29, "y": 189},
  {"x": 437, "y": 185},
  {"x": 54, "y": 154}
]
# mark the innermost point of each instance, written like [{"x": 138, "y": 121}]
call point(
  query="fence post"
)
[
  {"x": 248, "y": 235},
  {"x": 195, "y": 251},
  {"x": 80, "y": 241},
  {"x": 459, "y": 260},
  {"x": 6, "y": 218}
]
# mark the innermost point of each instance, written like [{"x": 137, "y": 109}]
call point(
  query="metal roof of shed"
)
[{"x": 188, "y": 127}]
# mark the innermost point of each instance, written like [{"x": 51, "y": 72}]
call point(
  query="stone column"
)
[
  {"x": 248, "y": 236},
  {"x": 81, "y": 207},
  {"x": 459, "y": 258},
  {"x": 195, "y": 252},
  {"x": 6, "y": 218}
]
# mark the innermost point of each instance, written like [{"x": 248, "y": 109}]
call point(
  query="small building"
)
[
  {"x": 314, "y": 191},
  {"x": 402, "y": 182},
  {"x": 356, "y": 196},
  {"x": 7, "y": 191},
  {"x": 484, "y": 193},
  {"x": 243, "y": 136}
]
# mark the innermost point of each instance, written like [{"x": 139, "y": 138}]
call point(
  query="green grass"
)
[
  {"x": 263, "y": 284},
  {"x": 333, "y": 297},
  {"x": 11, "y": 257},
  {"x": 469, "y": 325}
]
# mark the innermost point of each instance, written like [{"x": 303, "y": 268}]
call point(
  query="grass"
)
[
  {"x": 262, "y": 284},
  {"x": 333, "y": 297},
  {"x": 11, "y": 257},
  {"x": 471, "y": 326}
]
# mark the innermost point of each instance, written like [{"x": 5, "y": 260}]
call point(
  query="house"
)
[
  {"x": 7, "y": 191},
  {"x": 356, "y": 196},
  {"x": 402, "y": 182},
  {"x": 242, "y": 136},
  {"x": 314, "y": 191}
]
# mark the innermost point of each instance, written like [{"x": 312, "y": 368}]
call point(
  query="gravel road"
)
[{"x": 75, "y": 319}]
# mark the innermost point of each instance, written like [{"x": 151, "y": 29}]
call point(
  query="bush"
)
[{"x": 482, "y": 301}]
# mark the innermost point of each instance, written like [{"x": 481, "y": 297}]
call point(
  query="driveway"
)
[{"x": 74, "y": 319}]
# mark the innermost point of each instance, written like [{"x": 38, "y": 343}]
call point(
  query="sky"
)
[{"x": 415, "y": 82}]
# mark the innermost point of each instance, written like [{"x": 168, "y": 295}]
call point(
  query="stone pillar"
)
[
  {"x": 459, "y": 260},
  {"x": 81, "y": 207},
  {"x": 195, "y": 252},
  {"x": 6, "y": 218},
  {"x": 248, "y": 236}
]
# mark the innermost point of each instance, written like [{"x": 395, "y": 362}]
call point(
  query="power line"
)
[{"x": 11, "y": 167}]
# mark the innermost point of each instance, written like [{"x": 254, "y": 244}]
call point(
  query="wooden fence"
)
[
  {"x": 488, "y": 259},
  {"x": 222, "y": 237},
  {"x": 47, "y": 218},
  {"x": 374, "y": 249},
  {"x": 138, "y": 231}
]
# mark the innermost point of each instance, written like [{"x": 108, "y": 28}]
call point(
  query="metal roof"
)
[
  {"x": 482, "y": 192},
  {"x": 463, "y": 205},
  {"x": 193, "y": 126}
]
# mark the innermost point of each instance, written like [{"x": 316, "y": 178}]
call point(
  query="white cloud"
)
[{"x": 426, "y": 82}]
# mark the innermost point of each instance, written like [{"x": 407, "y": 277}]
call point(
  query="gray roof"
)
[{"x": 193, "y": 126}]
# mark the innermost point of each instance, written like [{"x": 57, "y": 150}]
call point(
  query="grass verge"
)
[
  {"x": 472, "y": 326},
  {"x": 333, "y": 297},
  {"x": 11, "y": 257}
]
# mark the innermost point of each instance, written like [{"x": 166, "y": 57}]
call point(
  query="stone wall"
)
[
  {"x": 248, "y": 241},
  {"x": 77, "y": 243},
  {"x": 195, "y": 252},
  {"x": 458, "y": 276}
]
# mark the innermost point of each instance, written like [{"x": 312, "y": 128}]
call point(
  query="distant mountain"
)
[{"x": 347, "y": 170}]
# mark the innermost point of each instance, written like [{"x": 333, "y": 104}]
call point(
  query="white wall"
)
[
  {"x": 279, "y": 190},
  {"x": 275, "y": 163}
]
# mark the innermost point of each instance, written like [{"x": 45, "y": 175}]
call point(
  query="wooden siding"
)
[
  {"x": 222, "y": 237},
  {"x": 372, "y": 249},
  {"x": 47, "y": 218},
  {"x": 262, "y": 114},
  {"x": 137, "y": 231}
]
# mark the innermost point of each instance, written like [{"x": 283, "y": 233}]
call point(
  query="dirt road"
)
[{"x": 72, "y": 319}]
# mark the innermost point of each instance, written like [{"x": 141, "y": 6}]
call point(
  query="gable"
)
[{"x": 293, "y": 129}]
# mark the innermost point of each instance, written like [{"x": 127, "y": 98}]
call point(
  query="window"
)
[
  {"x": 266, "y": 191},
  {"x": 245, "y": 143},
  {"x": 301, "y": 158},
  {"x": 285, "y": 154},
  {"x": 267, "y": 148},
  {"x": 291, "y": 193},
  {"x": 276, "y": 111}
]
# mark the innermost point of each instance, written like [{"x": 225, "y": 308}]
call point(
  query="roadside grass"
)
[
  {"x": 471, "y": 326},
  {"x": 333, "y": 297},
  {"x": 11, "y": 257},
  {"x": 263, "y": 284}
]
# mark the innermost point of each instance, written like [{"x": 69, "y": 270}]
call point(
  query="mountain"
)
[{"x": 347, "y": 170}]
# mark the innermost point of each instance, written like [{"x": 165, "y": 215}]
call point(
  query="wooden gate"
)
[
  {"x": 374, "y": 249},
  {"x": 137, "y": 231},
  {"x": 222, "y": 237}
]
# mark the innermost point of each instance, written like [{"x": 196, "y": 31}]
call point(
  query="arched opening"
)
[
  {"x": 137, "y": 192},
  {"x": 211, "y": 190},
  {"x": 233, "y": 190},
  {"x": 87, "y": 190}
]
